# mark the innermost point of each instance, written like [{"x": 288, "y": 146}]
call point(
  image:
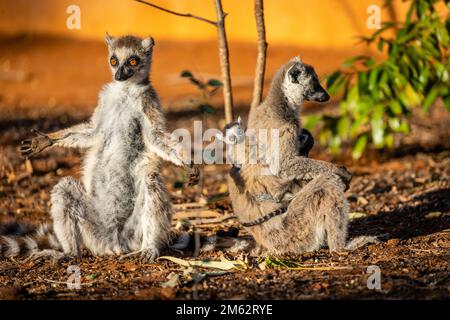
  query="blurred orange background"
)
[
  {"x": 322, "y": 24},
  {"x": 44, "y": 63}
]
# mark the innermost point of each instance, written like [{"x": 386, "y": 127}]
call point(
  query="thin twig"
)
[
  {"x": 224, "y": 57},
  {"x": 262, "y": 52},
  {"x": 186, "y": 15},
  {"x": 223, "y": 50}
]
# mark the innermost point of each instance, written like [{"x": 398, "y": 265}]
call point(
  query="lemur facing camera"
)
[
  {"x": 301, "y": 203},
  {"x": 121, "y": 206}
]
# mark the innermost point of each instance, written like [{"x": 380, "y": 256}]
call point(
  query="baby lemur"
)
[
  {"x": 317, "y": 208},
  {"x": 121, "y": 205}
]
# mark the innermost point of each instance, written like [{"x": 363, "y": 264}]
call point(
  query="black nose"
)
[
  {"x": 324, "y": 97},
  {"x": 119, "y": 75},
  {"x": 122, "y": 75}
]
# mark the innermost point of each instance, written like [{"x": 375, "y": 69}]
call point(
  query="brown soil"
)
[{"x": 403, "y": 197}]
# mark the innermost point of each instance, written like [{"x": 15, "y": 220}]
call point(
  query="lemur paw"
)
[
  {"x": 193, "y": 174},
  {"x": 345, "y": 176},
  {"x": 32, "y": 147}
]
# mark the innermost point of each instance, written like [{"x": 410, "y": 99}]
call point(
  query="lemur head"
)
[
  {"x": 302, "y": 83},
  {"x": 130, "y": 57},
  {"x": 234, "y": 132},
  {"x": 306, "y": 142}
]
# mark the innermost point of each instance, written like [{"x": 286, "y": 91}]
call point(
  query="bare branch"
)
[
  {"x": 261, "y": 58},
  {"x": 224, "y": 62},
  {"x": 186, "y": 15}
]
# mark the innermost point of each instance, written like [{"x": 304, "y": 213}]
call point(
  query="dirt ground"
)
[{"x": 401, "y": 196}]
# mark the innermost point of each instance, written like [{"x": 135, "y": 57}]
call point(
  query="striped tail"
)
[{"x": 23, "y": 240}]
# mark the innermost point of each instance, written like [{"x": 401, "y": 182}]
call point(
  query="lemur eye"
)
[
  {"x": 113, "y": 61},
  {"x": 133, "y": 62}
]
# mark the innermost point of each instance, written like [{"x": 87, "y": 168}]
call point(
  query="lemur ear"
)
[
  {"x": 108, "y": 39},
  {"x": 148, "y": 43},
  {"x": 293, "y": 73},
  {"x": 296, "y": 59},
  {"x": 239, "y": 120}
]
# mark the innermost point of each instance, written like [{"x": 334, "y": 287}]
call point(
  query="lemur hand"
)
[
  {"x": 345, "y": 175},
  {"x": 193, "y": 174},
  {"x": 32, "y": 147}
]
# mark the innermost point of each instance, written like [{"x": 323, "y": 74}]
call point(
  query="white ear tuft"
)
[
  {"x": 108, "y": 39},
  {"x": 148, "y": 43},
  {"x": 239, "y": 120},
  {"x": 296, "y": 59}
]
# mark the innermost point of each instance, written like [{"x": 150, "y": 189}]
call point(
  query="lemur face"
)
[
  {"x": 302, "y": 83},
  {"x": 130, "y": 57},
  {"x": 306, "y": 142},
  {"x": 234, "y": 132}
]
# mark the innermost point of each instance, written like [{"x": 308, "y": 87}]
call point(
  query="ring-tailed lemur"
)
[
  {"x": 317, "y": 208},
  {"x": 233, "y": 135},
  {"x": 121, "y": 206}
]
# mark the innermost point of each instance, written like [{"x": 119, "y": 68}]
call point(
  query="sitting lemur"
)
[
  {"x": 301, "y": 203},
  {"x": 121, "y": 206}
]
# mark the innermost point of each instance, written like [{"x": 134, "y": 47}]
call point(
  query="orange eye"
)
[
  {"x": 113, "y": 61},
  {"x": 133, "y": 62}
]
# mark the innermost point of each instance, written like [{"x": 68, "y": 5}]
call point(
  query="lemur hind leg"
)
[
  {"x": 317, "y": 211},
  {"x": 147, "y": 230},
  {"x": 75, "y": 221}
]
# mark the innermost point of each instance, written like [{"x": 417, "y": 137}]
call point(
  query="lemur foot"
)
[
  {"x": 144, "y": 255},
  {"x": 55, "y": 255},
  {"x": 361, "y": 241}
]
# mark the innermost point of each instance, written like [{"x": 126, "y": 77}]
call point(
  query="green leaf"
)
[
  {"x": 206, "y": 108},
  {"x": 214, "y": 83},
  {"x": 332, "y": 78},
  {"x": 311, "y": 121},
  {"x": 404, "y": 126},
  {"x": 381, "y": 44},
  {"x": 441, "y": 71},
  {"x": 343, "y": 127},
  {"x": 335, "y": 144},
  {"x": 394, "y": 124},
  {"x": 389, "y": 140},
  {"x": 359, "y": 147},
  {"x": 353, "y": 97},
  {"x": 349, "y": 62},
  {"x": 446, "y": 100},
  {"x": 337, "y": 86},
  {"x": 186, "y": 74},
  {"x": 370, "y": 62},
  {"x": 357, "y": 126},
  {"x": 377, "y": 125},
  {"x": 431, "y": 97},
  {"x": 395, "y": 107}
]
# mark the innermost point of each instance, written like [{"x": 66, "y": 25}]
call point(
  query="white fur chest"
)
[
  {"x": 119, "y": 103},
  {"x": 119, "y": 123}
]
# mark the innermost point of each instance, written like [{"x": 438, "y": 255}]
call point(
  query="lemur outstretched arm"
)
[
  {"x": 78, "y": 136},
  {"x": 159, "y": 141}
]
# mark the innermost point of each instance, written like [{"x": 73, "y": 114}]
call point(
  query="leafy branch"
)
[{"x": 379, "y": 96}]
